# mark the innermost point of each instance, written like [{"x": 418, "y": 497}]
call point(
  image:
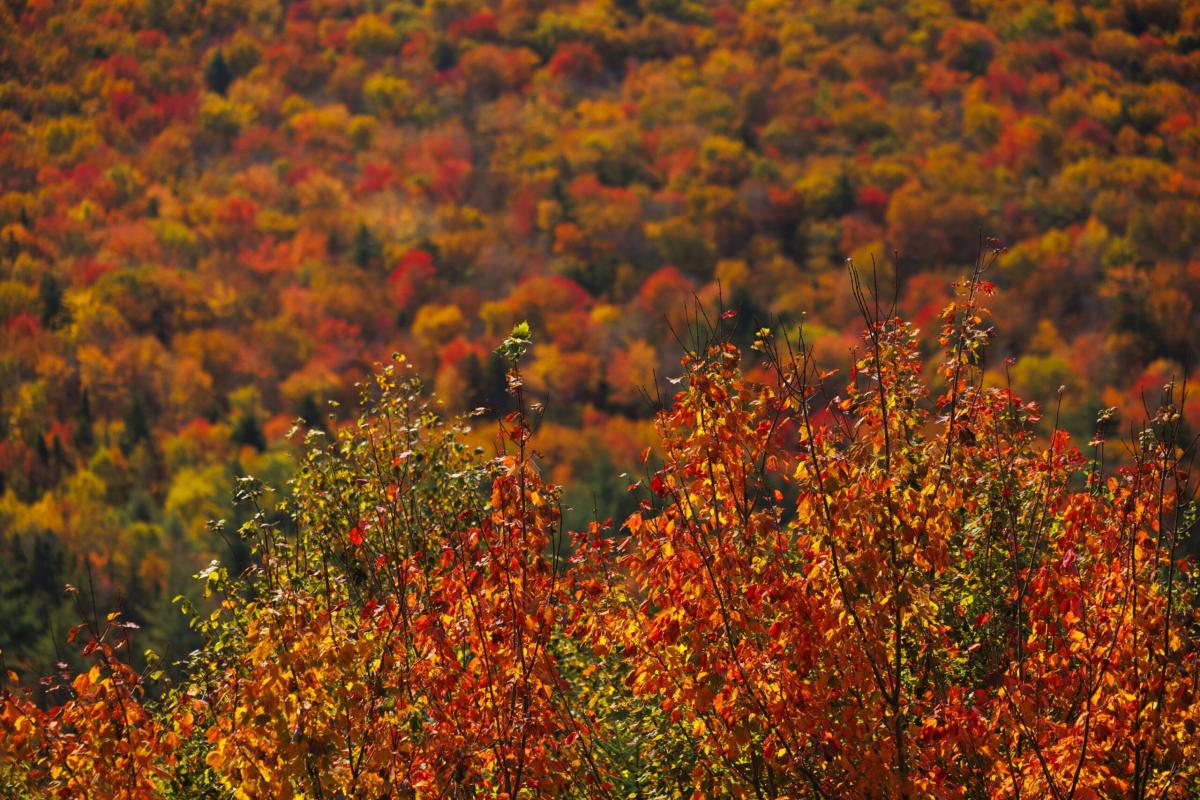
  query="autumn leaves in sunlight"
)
[{"x": 893, "y": 587}]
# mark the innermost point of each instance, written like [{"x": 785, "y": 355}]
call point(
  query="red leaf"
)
[{"x": 1069, "y": 559}]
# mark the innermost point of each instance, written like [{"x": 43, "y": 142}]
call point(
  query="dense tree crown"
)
[
  {"x": 875, "y": 584},
  {"x": 215, "y": 216}
]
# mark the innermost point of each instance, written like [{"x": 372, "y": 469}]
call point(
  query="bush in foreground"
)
[{"x": 898, "y": 590}]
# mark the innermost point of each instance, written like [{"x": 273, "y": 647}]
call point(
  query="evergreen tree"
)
[
  {"x": 137, "y": 424},
  {"x": 487, "y": 382},
  {"x": 51, "y": 295},
  {"x": 247, "y": 431},
  {"x": 217, "y": 74},
  {"x": 83, "y": 435},
  {"x": 367, "y": 249},
  {"x": 308, "y": 410},
  {"x": 445, "y": 55},
  {"x": 18, "y": 607},
  {"x": 42, "y": 450},
  {"x": 32, "y": 577}
]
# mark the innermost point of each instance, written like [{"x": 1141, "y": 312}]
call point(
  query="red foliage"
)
[
  {"x": 873, "y": 200},
  {"x": 480, "y": 25},
  {"x": 576, "y": 60},
  {"x": 376, "y": 176}
]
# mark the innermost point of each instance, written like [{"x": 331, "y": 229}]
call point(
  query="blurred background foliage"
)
[{"x": 215, "y": 217}]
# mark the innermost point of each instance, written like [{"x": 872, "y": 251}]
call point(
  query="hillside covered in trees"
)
[{"x": 217, "y": 217}]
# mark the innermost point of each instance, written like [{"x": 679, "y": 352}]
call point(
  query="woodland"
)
[{"x": 615, "y": 398}]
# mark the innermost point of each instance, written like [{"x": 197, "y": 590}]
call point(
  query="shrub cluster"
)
[{"x": 892, "y": 588}]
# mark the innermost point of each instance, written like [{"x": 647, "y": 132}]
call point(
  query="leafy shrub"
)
[{"x": 900, "y": 590}]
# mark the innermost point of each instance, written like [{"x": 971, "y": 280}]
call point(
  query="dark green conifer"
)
[
  {"x": 217, "y": 74},
  {"x": 137, "y": 424},
  {"x": 83, "y": 435},
  {"x": 247, "y": 431},
  {"x": 367, "y": 249},
  {"x": 51, "y": 295}
]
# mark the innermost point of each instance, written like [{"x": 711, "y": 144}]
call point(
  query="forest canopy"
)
[
  {"x": 214, "y": 217},
  {"x": 217, "y": 217}
]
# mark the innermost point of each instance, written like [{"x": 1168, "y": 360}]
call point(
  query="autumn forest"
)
[{"x": 599, "y": 399}]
